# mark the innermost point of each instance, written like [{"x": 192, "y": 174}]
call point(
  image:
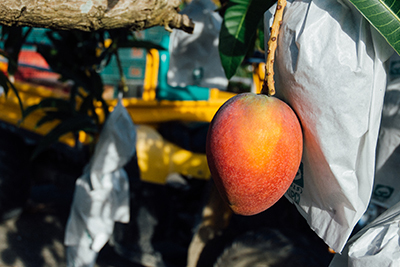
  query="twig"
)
[{"x": 269, "y": 83}]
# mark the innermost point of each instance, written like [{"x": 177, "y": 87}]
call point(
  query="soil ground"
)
[{"x": 35, "y": 238}]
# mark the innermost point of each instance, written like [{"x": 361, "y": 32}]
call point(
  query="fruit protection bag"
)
[
  {"x": 377, "y": 244},
  {"x": 194, "y": 58},
  {"x": 101, "y": 195},
  {"x": 330, "y": 68},
  {"x": 386, "y": 191}
]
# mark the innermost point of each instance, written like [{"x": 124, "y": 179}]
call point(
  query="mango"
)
[{"x": 254, "y": 148}]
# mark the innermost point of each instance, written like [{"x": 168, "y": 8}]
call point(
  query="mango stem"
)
[{"x": 269, "y": 83}]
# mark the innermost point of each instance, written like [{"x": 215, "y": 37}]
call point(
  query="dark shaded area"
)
[
  {"x": 14, "y": 175},
  {"x": 274, "y": 248},
  {"x": 188, "y": 135},
  {"x": 41, "y": 225},
  {"x": 279, "y": 226},
  {"x": 163, "y": 219},
  {"x": 111, "y": 4},
  {"x": 390, "y": 113},
  {"x": 37, "y": 228}
]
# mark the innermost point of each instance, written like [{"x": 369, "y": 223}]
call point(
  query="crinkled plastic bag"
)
[
  {"x": 101, "y": 195},
  {"x": 330, "y": 68}
]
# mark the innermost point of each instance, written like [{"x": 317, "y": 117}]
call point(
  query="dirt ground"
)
[{"x": 35, "y": 238}]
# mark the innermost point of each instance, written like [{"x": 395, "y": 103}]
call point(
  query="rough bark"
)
[{"x": 91, "y": 15}]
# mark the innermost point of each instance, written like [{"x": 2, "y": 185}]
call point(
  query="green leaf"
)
[
  {"x": 10, "y": 60},
  {"x": 12, "y": 46},
  {"x": 6, "y": 84},
  {"x": 88, "y": 106},
  {"x": 51, "y": 116},
  {"x": 384, "y": 16},
  {"x": 72, "y": 124},
  {"x": 238, "y": 29},
  {"x": 50, "y": 102}
]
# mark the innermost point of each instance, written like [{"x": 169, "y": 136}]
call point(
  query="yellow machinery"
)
[
  {"x": 176, "y": 220},
  {"x": 156, "y": 156}
]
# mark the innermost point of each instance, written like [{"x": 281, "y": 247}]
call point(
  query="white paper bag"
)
[
  {"x": 377, "y": 244},
  {"x": 194, "y": 57},
  {"x": 394, "y": 67},
  {"x": 386, "y": 190},
  {"x": 101, "y": 195},
  {"x": 330, "y": 69}
]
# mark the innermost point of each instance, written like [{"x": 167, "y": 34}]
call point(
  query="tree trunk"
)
[{"x": 91, "y": 15}]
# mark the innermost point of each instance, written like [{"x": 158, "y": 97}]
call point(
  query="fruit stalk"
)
[{"x": 269, "y": 83}]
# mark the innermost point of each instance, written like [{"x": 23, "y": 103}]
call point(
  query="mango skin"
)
[{"x": 254, "y": 148}]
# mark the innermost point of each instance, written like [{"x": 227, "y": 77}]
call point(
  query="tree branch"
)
[{"x": 91, "y": 15}]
